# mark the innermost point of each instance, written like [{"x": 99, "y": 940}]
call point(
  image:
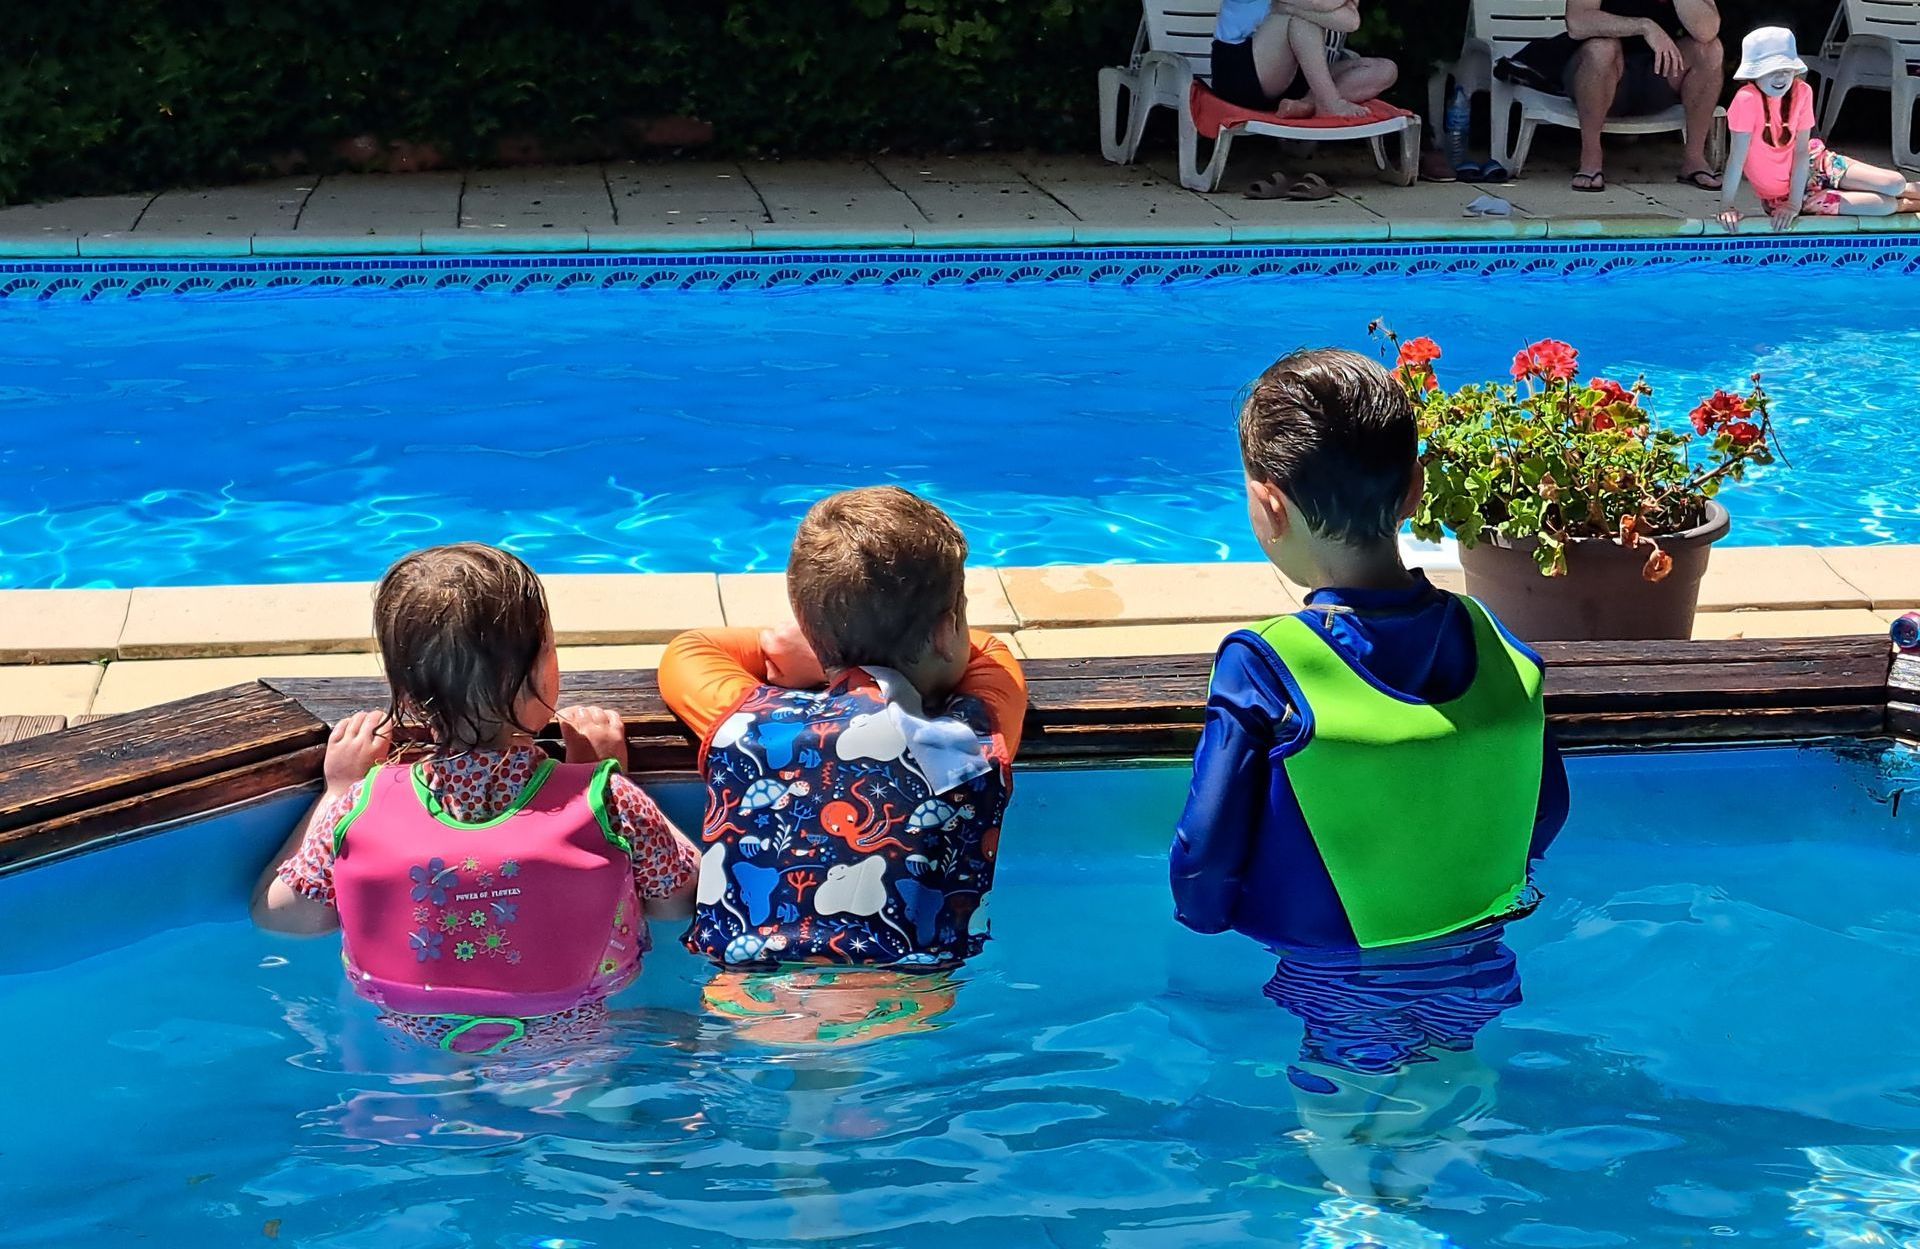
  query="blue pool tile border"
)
[{"x": 34, "y": 279}]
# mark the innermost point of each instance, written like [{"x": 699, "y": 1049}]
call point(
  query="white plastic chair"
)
[
  {"x": 1500, "y": 28},
  {"x": 1172, "y": 50},
  {"x": 1881, "y": 48},
  {"x": 1825, "y": 63}
]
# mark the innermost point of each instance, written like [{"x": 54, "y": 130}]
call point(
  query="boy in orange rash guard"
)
[{"x": 859, "y": 762}]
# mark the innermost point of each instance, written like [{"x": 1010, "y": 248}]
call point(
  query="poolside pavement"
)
[
  {"x": 78, "y": 652},
  {"x": 1013, "y": 200}
]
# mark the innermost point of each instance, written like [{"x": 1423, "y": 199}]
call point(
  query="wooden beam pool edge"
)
[{"x": 109, "y": 780}]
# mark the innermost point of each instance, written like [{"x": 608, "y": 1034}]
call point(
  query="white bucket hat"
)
[{"x": 1768, "y": 50}]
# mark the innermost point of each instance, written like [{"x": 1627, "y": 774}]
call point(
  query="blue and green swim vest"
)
[{"x": 1422, "y": 813}]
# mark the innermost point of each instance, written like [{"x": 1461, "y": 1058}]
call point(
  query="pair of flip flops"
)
[
  {"x": 1482, "y": 171},
  {"x": 1277, "y": 185}
]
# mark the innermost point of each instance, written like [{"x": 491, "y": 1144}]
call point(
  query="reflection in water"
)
[
  {"x": 1387, "y": 1086},
  {"x": 1861, "y": 1197}
]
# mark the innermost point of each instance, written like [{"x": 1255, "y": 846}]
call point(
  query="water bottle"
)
[
  {"x": 1459, "y": 113},
  {"x": 1906, "y": 632}
]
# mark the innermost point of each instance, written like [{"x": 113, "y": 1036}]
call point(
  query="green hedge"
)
[{"x": 102, "y": 95}]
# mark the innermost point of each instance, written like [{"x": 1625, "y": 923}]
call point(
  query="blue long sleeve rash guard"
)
[{"x": 1416, "y": 641}]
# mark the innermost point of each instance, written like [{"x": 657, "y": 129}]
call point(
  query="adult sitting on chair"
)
[
  {"x": 1259, "y": 46},
  {"x": 1630, "y": 58}
]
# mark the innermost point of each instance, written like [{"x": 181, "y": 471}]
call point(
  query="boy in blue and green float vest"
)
[{"x": 1375, "y": 770}]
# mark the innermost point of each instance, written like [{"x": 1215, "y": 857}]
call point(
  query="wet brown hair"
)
[
  {"x": 872, "y": 573},
  {"x": 460, "y": 630},
  {"x": 1336, "y": 434}
]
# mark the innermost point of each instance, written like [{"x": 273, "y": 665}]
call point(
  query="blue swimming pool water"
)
[
  {"x": 316, "y": 436},
  {"x": 1717, "y": 1040}
]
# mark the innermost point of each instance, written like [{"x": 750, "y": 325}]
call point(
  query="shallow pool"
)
[
  {"x": 317, "y": 435},
  {"x": 1716, "y": 1039}
]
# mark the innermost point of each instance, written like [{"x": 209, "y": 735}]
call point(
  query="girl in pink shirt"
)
[{"x": 1771, "y": 124}]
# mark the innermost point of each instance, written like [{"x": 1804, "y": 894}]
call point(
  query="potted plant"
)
[{"x": 1578, "y": 514}]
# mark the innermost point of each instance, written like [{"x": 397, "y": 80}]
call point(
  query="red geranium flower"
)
[
  {"x": 1612, "y": 392},
  {"x": 1743, "y": 433},
  {"x": 1718, "y": 410},
  {"x": 1548, "y": 360},
  {"x": 1418, "y": 353}
]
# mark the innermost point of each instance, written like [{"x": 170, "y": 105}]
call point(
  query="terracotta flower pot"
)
[{"x": 1603, "y": 596}]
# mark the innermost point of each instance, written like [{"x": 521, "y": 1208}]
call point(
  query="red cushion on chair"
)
[{"x": 1211, "y": 114}]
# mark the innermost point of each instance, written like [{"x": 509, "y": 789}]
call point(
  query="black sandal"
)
[
  {"x": 1589, "y": 182},
  {"x": 1700, "y": 180}
]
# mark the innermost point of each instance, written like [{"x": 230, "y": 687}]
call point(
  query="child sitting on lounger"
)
[
  {"x": 1259, "y": 46},
  {"x": 856, "y": 824},
  {"x": 488, "y": 895},
  {"x": 1771, "y": 123}
]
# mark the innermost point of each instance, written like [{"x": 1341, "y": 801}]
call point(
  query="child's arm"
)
[
  {"x": 295, "y": 893},
  {"x": 1551, "y": 815},
  {"x": 994, "y": 677},
  {"x": 1797, "y": 193},
  {"x": 706, "y": 672},
  {"x": 1226, "y": 800},
  {"x": 666, "y": 867},
  {"x": 1730, "y": 180}
]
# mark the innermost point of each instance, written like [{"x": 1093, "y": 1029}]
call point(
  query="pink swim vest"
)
[{"x": 526, "y": 914}]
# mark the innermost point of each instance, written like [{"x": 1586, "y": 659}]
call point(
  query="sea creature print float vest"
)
[
  {"x": 842, "y": 830},
  {"x": 492, "y": 922}
]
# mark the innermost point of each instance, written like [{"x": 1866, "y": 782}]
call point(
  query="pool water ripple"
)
[{"x": 318, "y": 435}]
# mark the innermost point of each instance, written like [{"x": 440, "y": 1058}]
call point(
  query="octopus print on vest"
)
[{"x": 826, "y": 842}]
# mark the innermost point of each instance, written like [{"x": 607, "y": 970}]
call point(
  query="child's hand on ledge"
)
[
  {"x": 791, "y": 663},
  {"x": 592, "y": 734},
  {"x": 356, "y": 745}
]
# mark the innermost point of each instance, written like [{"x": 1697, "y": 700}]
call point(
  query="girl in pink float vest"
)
[{"x": 487, "y": 895}]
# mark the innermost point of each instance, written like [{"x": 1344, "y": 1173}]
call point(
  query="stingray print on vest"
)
[{"x": 825, "y": 844}]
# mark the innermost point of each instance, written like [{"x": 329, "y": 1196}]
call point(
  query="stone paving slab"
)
[
  {"x": 130, "y": 685},
  {"x": 590, "y": 609},
  {"x": 313, "y": 619},
  {"x": 49, "y": 689},
  {"x": 351, "y": 204},
  {"x": 705, "y": 199},
  {"x": 1145, "y": 594},
  {"x": 1780, "y": 578},
  {"x": 55, "y": 626},
  {"x": 54, "y": 229},
  {"x": 564, "y": 200},
  {"x": 815, "y": 193},
  {"x": 1889, "y": 576},
  {"x": 1848, "y": 622},
  {"x": 258, "y": 208}
]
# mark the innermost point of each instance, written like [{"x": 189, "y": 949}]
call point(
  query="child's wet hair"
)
[
  {"x": 461, "y": 629},
  {"x": 1335, "y": 433},
  {"x": 872, "y": 573}
]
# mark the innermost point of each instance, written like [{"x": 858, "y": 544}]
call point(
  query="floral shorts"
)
[{"x": 1823, "y": 183}]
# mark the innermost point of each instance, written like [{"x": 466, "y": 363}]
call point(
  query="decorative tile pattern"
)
[{"x": 1123, "y": 266}]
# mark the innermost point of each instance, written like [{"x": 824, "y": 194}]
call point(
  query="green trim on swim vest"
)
[
  {"x": 1422, "y": 812},
  {"x": 597, "y": 798},
  {"x": 354, "y": 812},
  {"x": 431, "y": 801}
]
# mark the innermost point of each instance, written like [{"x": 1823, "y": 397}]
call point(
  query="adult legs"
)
[
  {"x": 1595, "y": 78},
  {"x": 1699, "y": 90},
  {"x": 1364, "y": 77}
]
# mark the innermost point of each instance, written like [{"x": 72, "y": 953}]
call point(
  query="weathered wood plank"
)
[
  {"x": 121, "y": 819},
  {"x": 122, "y": 757},
  {"x": 20, "y": 728}
]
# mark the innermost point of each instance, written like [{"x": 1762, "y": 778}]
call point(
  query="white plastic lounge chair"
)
[
  {"x": 1880, "y": 53},
  {"x": 1826, "y": 62},
  {"x": 1499, "y": 28},
  {"x": 1173, "y": 50}
]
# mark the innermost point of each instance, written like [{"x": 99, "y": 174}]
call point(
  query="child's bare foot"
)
[
  {"x": 1291, "y": 109},
  {"x": 1338, "y": 107}
]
